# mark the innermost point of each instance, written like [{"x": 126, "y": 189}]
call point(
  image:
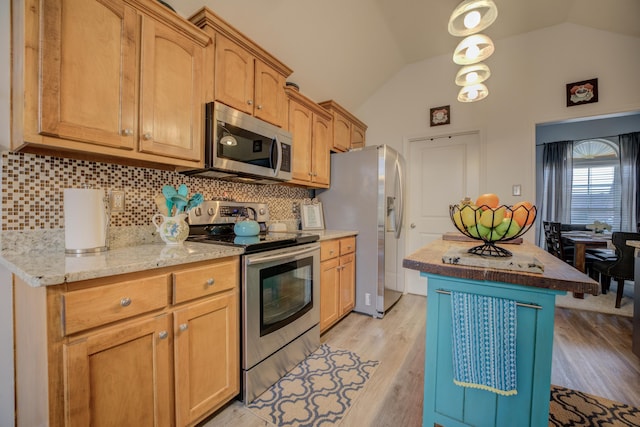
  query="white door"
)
[{"x": 442, "y": 172}]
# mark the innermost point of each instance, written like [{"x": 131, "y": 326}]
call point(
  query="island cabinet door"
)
[
  {"x": 120, "y": 376},
  {"x": 448, "y": 404}
]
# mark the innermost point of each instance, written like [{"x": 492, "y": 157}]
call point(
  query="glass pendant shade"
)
[
  {"x": 472, "y": 16},
  {"x": 473, "y": 49},
  {"x": 472, "y": 74},
  {"x": 473, "y": 93}
]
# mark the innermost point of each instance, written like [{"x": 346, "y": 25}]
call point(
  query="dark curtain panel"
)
[
  {"x": 557, "y": 176},
  {"x": 629, "y": 173}
]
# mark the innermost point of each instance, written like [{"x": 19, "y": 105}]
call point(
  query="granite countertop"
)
[
  {"x": 557, "y": 274},
  {"x": 46, "y": 266}
]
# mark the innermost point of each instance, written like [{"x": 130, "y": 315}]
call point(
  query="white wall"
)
[
  {"x": 6, "y": 296},
  {"x": 527, "y": 86}
]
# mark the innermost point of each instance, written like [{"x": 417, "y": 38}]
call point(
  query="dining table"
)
[{"x": 581, "y": 240}]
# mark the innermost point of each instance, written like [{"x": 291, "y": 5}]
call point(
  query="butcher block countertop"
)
[{"x": 557, "y": 274}]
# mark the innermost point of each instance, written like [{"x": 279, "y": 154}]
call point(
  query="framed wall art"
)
[
  {"x": 312, "y": 217},
  {"x": 584, "y": 92},
  {"x": 440, "y": 115}
]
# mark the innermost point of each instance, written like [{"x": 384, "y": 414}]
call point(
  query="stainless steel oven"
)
[{"x": 281, "y": 314}]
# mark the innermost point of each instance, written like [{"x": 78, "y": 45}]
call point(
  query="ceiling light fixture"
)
[
  {"x": 473, "y": 93},
  {"x": 473, "y": 49},
  {"x": 472, "y": 74},
  {"x": 472, "y": 16}
]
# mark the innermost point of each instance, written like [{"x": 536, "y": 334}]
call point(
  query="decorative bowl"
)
[{"x": 492, "y": 225}]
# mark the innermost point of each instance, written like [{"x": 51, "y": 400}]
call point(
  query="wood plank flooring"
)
[{"x": 592, "y": 353}]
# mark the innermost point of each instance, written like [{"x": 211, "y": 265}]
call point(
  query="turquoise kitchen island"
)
[{"x": 526, "y": 357}]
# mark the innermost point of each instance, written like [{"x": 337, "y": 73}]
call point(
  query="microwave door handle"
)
[{"x": 278, "y": 146}]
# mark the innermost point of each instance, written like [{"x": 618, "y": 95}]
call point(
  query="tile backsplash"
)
[{"x": 32, "y": 191}]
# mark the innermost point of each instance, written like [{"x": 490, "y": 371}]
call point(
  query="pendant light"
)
[
  {"x": 472, "y": 16},
  {"x": 473, "y": 49},
  {"x": 473, "y": 93},
  {"x": 472, "y": 74}
]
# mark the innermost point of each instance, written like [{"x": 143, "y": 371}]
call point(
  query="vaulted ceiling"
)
[{"x": 346, "y": 49}]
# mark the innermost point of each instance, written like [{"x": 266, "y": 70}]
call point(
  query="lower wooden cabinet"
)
[
  {"x": 337, "y": 280},
  {"x": 158, "y": 348}
]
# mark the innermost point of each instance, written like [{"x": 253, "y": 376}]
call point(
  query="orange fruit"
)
[
  {"x": 488, "y": 201},
  {"x": 523, "y": 213}
]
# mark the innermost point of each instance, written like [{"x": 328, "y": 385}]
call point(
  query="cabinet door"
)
[
  {"x": 329, "y": 293},
  {"x": 300, "y": 125},
  {"x": 171, "y": 93},
  {"x": 120, "y": 376},
  {"x": 88, "y": 71},
  {"x": 207, "y": 357},
  {"x": 341, "y": 132},
  {"x": 357, "y": 136},
  {"x": 270, "y": 99},
  {"x": 234, "y": 75},
  {"x": 347, "y": 283},
  {"x": 321, "y": 160}
]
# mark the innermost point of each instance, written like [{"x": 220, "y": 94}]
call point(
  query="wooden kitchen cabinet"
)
[
  {"x": 337, "y": 280},
  {"x": 157, "y": 348},
  {"x": 310, "y": 126},
  {"x": 246, "y": 77},
  {"x": 348, "y": 131},
  {"x": 121, "y": 79}
]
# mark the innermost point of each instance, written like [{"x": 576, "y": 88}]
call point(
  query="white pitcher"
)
[{"x": 172, "y": 229}]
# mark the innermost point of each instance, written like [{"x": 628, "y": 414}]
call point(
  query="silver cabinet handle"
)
[
  {"x": 125, "y": 302},
  {"x": 249, "y": 102},
  {"x": 147, "y": 136},
  {"x": 210, "y": 282},
  {"x": 163, "y": 334},
  {"x": 127, "y": 132},
  {"x": 331, "y": 252},
  {"x": 183, "y": 327},
  {"x": 413, "y": 225},
  {"x": 259, "y": 107}
]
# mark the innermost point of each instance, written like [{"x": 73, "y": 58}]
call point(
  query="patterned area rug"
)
[
  {"x": 603, "y": 303},
  {"x": 317, "y": 392},
  {"x": 574, "y": 408}
]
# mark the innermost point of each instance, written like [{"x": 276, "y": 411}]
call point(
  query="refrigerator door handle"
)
[{"x": 400, "y": 214}]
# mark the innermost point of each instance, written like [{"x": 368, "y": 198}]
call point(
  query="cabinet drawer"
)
[
  {"x": 220, "y": 275},
  {"x": 88, "y": 308},
  {"x": 347, "y": 245},
  {"x": 329, "y": 249}
]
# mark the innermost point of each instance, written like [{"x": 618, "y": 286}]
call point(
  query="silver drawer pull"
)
[
  {"x": 163, "y": 334},
  {"x": 210, "y": 282},
  {"x": 125, "y": 302},
  {"x": 183, "y": 327}
]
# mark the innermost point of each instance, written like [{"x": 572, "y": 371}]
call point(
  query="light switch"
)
[{"x": 516, "y": 190}]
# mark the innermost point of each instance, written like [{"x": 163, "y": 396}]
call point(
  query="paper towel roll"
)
[{"x": 85, "y": 220}]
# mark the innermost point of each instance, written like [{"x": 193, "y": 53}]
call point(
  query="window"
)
[{"x": 595, "y": 190}]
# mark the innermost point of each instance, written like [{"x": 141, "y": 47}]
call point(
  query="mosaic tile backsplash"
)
[{"x": 32, "y": 191}]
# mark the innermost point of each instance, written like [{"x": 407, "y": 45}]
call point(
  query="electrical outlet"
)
[{"x": 117, "y": 201}]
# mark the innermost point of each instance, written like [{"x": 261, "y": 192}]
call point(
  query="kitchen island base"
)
[{"x": 451, "y": 405}]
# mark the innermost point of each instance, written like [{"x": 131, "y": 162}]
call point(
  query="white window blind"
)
[{"x": 596, "y": 190}]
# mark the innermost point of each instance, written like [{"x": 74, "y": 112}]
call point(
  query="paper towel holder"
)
[{"x": 95, "y": 250}]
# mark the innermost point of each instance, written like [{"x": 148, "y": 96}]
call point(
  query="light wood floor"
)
[{"x": 592, "y": 353}]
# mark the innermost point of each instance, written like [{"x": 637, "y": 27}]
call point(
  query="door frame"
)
[{"x": 406, "y": 149}]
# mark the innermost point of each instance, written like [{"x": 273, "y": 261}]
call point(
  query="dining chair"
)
[
  {"x": 620, "y": 269},
  {"x": 555, "y": 245}
]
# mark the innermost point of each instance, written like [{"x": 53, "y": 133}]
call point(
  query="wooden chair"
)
[
  {"x": 555, "y": 245},
  {"x": 620, "y": 269}
]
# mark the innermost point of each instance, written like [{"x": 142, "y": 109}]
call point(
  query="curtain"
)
[
  {"x": 629, "y": 174},
  {"x": 557, "y": 176}
]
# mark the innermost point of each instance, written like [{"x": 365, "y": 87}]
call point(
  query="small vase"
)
[{"x": 173, "y": 230}]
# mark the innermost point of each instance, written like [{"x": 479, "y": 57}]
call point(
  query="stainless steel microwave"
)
[{"x": 240, "y": 147}]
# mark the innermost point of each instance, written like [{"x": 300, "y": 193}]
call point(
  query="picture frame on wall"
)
[
  {"x": 440, "y": 115},
  {"x": 584, "y": 92},
  {"x": 312, "y": 216}
]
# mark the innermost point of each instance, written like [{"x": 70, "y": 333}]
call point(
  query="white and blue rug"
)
[{"x": 317, "y": 392}]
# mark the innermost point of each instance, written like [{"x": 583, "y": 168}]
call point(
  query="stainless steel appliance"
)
[
  {"x": 280, "y": 293},
  {"x": 240, "y": 147},
  {"x": 367, "y": 195}
]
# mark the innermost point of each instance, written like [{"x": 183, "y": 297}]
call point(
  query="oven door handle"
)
[{"x": 280, "y": 256}]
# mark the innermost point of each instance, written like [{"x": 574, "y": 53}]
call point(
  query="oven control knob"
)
[
  {"x": 197, "y": 211},
  {"x": 262, "y": 211},
  {"x": 211, "y": 211}
]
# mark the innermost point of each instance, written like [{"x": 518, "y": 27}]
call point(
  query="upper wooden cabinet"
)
[
  {"x": 245, "y": 76},
  {"x": 310, "y": 126},
  {"x": 117, "y": 78},
  {"x": 348, "y": 131}
]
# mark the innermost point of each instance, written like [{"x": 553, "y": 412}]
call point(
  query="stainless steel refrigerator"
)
[{"x": 367, "y": 195}]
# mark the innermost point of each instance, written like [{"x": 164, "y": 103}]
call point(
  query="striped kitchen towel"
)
[{"x": 484, "y": 342}]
